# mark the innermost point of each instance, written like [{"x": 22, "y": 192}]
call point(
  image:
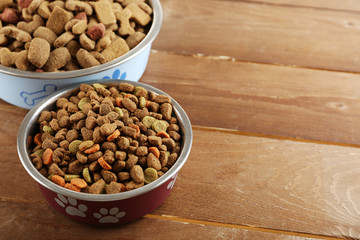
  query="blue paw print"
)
[{"x": 116, "y": 75}]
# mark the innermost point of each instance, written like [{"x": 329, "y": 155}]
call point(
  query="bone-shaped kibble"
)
[
  {"x": 26, "y": 15},
  {"x": 7, "y": 58},
  {"x": 18, "y": 34},
  {"x": 63, "y": 39},
  {"x": 79, "y": 7},
  {"x": 86, "y": 42},
  {"x": 45, "y": 33},
  {"x": 22, "y": 62},
  {"x": 138, "y": 14},
  {"x": 43, "y": 10},
  {"x": 30, "y": 27},
  {"x": 34, "y": 5},
  {"x": 124, "y": 18},
  {"x": 31, "y": 98},
  {"x": 5, "y": 3}
]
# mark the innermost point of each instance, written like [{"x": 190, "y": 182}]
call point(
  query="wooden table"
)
[{"x": 272, "y": 88}]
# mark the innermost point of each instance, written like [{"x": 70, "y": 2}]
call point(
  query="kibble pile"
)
[
  {"x": 107, "y": 139},
  {"x": 51, "y": 36}
]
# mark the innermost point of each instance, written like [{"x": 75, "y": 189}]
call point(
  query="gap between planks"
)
[
  {"x": 243, "y": 227},
  {"x": 252, "y": 134},
  {"x": 294, "y": 6},
  {"x": 231, "y": 59}
]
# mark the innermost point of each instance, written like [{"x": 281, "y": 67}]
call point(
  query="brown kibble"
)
[
  {"x": 134, "y": 39},
  {"x": 57, "y": 20},
  {"x": 137, "y": 173},
  {"x": 97, "y": 187},
  {"x": 153, "y": 162},
  {"x": 104, "y": 12},
  {"x": 114, "y": 187},
  {"x": 108, "y": 176},
  {"x": 116, "y": 49},
  {"x": 138, "y": 14},
  {"x": 57, "y": 59},
  {"x": 124, "y": 18},
  {"x": 45, "y": 33},
  {"x": 85, "y": 59},
  {"x": 39, "y": 52},
  {"x": 75, "y": 167}
]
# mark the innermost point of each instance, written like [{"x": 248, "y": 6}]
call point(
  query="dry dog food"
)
[
  {"x": 107, "y": 139},
  {"x": 65, "y": 35}
]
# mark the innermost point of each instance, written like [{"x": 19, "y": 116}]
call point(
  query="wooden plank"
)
[
  {"x": 345, "y": 5},
  {"x": 289, "y": 186},
  {"x": 276, "y": 34},
  {"x": 261, "y": 98},
  {"x": 272, "y": 183},
  {"x": 17, "y": 220}
]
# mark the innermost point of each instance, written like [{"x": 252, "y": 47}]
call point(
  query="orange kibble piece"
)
[
  {"x": 93, "y": 149},
  {"x": 78, "y": 182},
  {"x": 104, "y": 164},
  {"x": 163, "y": 134},
  {"x": 58, "y": 180},
  {"x": 113, "y": 136},
  {"x": 118, "y": 101},
  {"x": 47, "y": 156},
  {"x": 155, "y": 151},
  {"x": 37, "y": 139},
  {"x": 136, "y": 127},
  {"x": 72, "y": 187}
]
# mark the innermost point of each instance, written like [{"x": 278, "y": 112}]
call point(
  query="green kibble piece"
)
[
  {"x": 50, "y": 176},
  {"x": 74, "y": 146},
  {"x": 82, "y": 102},
  {"x": 98, "y": 85},
  {"x": 150, "y": 175},
  {"x": 142, "y": 102},
  {"x": 68, "y": 177},
  {"x": 119, "y": 112},
  {"x": 85, "y": 145},
  {"x": 159, "y": 126},
  {"x": 148, "y": 121},
  {"x": 39, "y": 152},
  {"x": 48, "y": 129},
  {"x": 86, "y": 175}
]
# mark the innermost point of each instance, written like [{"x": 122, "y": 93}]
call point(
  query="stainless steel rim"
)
[
  {"x": 146, "y": 42},
  {"x": 30, "y": 119}
]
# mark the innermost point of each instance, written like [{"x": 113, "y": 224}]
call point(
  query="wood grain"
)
[
  {"x": 272, "y": 183},
  {"x": 345, "y": 5},
  {"x": 242, "y": 180},
  {"x": 276, "y": 34},
  {"x": 261, "y": 98}
]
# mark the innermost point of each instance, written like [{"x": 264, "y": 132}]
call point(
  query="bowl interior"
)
[
  {"x": 27, "y": 129},
  {"x": 149, "y": 38}
]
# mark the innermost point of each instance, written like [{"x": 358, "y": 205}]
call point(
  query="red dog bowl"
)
[{"x": 103, "y": 209}]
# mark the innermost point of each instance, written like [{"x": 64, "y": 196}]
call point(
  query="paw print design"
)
[
  {"x": 32, "y": 97},
  {"x": 71, "y": 206},
  {"x": 116, "y": 75},
  {"x": 106, "y": 216},
  {"x": 171, "y": 184}
]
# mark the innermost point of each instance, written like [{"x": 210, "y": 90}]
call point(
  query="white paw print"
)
[
  {"x": 112, "y": 216},
  {"x": 71, "y": 207},
  {"x": 171, "y": 184}
]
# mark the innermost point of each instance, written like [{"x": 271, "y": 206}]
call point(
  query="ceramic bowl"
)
[
  {"x": 25, "y": 88},
  {"x": 103, "y": 209}
]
